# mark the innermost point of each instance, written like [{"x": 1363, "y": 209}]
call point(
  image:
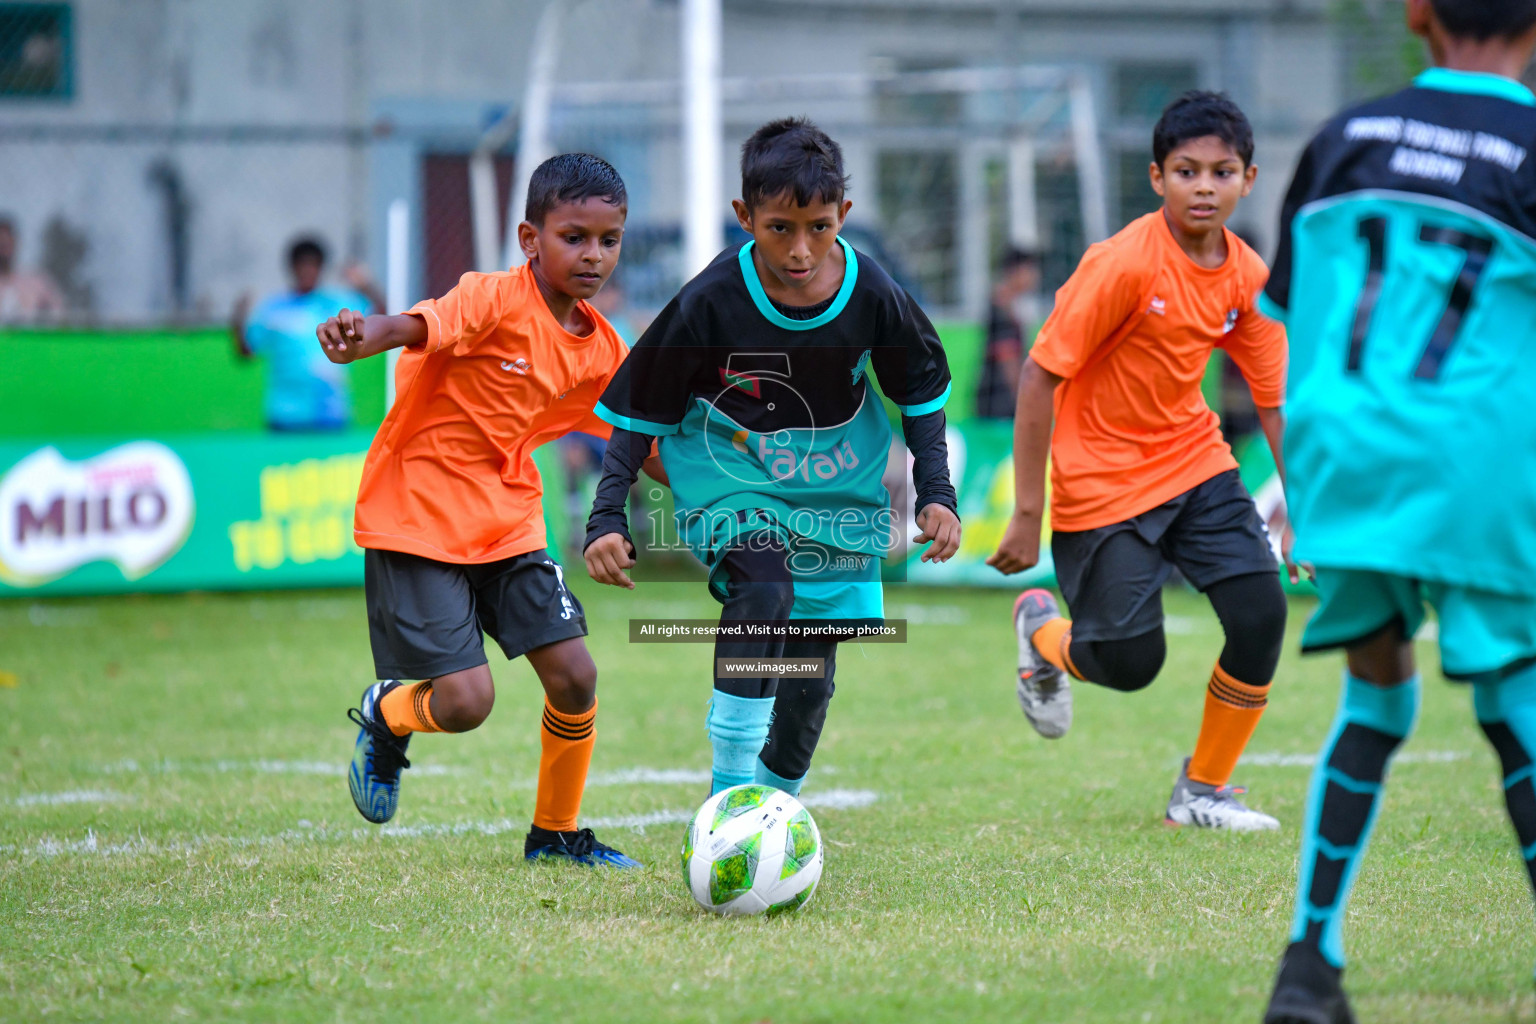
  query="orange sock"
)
[
  {"x": 409, "y": 709},
  {"x": 1053, "y": 640},
  {"x": 568, "y": 741},
  {"x": 1232, "y": 712}
]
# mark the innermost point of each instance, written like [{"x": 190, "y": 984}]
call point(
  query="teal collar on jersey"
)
[
  {"x": 1478, "y": 83},
  {"x": 765, "y": 305}
]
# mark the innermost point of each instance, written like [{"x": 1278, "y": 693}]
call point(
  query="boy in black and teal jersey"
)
[
  {"x": 1406, "y": 276},
  {"x": 755, "y": 380}
]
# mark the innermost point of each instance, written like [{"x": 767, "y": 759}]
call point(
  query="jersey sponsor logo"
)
[
  {"x": 519, "y": 366},
  {"x": 1158, "y": 306},
  {"x": 1231, "y": 321},
  {"x": 787, "y": 464},
  {"x": 131, "y": 505}
]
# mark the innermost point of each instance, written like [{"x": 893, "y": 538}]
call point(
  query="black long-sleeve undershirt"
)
[{"x": 627, "y": 451}]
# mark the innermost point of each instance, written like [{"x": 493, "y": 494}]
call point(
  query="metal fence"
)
[{"x": 170, "y": 215}]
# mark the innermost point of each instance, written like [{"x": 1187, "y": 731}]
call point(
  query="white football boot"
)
[
  {"x": 1045, "y": 691},
  {"x": 1205, "y": 806}
]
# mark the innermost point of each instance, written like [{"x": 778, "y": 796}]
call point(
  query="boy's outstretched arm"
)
[
  {"x": 1272, "y": 421},
  {"x": 1020, "y": 546},
  {"x": 936, "y": 504},
  {"x": 608, "y": 549},
  {"x": 349, "y": 336}
]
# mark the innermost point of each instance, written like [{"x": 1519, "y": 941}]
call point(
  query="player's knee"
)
[
  {"x": 570, "y": 687},
  {"x": 462, "y": 701},
  {"x": 1131, "y": 665},
  {"x": 1264, "y": 613},
  {"x": 769, "y": 600},
  {"x": 1253, "y": 612}
]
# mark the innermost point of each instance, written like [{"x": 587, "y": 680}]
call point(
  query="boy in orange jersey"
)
[
  {"x": 449, "y": 506},
  {"x": 1141, "y": 481}
]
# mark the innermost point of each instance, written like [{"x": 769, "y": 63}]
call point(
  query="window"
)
[
  {"x": 1142, "y": 90},
  {"x": 36, "y": 51},
  {"x": 918, "y": 190},
  {"x": 1135, "y": 193}
]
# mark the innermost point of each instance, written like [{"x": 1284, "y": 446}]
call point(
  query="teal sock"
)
[
  {"x": 1506, "y": 710},
  {"x": 1345, "y": 794},
  {"x": 738, "y": 728},
  {"x": 765, "y": 776}
]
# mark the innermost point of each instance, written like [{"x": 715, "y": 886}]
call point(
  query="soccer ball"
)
[{"x": 750, "y": 850}]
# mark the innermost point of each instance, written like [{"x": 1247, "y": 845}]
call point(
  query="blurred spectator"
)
[
  {"x": 24, "y": 297},
  {"x": 305, "y": 390},
  {"x": 1008, "y": 336}
]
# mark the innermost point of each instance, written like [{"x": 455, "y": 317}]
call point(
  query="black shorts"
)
[
  {"x": 1112, "y": 577},
  {"x": 425, "y": 617}
]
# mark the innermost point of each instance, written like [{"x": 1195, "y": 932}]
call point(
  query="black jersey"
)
[{"x": 768, "y": 421}]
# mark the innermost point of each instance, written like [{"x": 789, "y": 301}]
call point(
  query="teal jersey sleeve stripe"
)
[
  {"x": 925, "y": 408},
  {"x": 765, "y": 305},
  {"x": 634, "y": 424},
  {"x": 1270, "y": 308}
]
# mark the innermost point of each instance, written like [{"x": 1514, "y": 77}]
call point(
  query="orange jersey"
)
[
  {"x": 1132, "y": 332},
  {"x": 450, "y": 475}
]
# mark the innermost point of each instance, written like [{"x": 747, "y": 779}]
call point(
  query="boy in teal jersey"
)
[
  {"x": 755, "y": 378},
  {"x": 1406, "y": 276}
]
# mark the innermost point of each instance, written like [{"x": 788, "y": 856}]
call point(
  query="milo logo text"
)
[{"x": 132, "y": 505}]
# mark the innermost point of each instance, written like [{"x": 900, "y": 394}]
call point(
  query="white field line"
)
[
  {"x": 1308, "y": 760},
  {"x": 621, "y": 777},
  {"x": 69, "y": 796},
  {"x": 91, "y": 845},
  {"x": 167, "y": 766}
]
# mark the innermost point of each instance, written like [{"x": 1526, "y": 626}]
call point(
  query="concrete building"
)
[{"x": 163, "y": 151}]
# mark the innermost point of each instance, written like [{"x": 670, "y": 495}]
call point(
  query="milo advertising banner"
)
[
  {"x": 241, "y": 511},
  {"x": 220, "y": 512},
  {"x": 981, "y": 466}
]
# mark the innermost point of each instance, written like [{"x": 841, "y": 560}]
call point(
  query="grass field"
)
[{"x": 176, "y": 839}]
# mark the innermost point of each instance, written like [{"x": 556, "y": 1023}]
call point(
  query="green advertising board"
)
[
  {"x": 201, "y": 512},
  {"x": 134, "y": 461}
]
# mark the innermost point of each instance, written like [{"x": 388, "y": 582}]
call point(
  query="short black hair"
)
[
  {"x": 306, "y": 248},
  {"x": 1018, "y": 256},
  {"x": 1195, "y": 115},
  {"x": 1484, "y": 19},
  {"x": 791, "y": 156},
  {"x": 572, "y": 178}
]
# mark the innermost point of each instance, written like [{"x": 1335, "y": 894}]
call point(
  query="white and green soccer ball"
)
[{"x": 752, "y": 850}]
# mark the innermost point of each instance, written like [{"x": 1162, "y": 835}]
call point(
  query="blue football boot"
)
[
  {"x": 579, "y": 847},
  {"x": 377, "y": 758}
]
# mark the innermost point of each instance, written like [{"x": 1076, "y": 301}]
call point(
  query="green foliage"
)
[
  {"x": 998, "y": 877},
  {"x": 1380, "y": 54}
]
